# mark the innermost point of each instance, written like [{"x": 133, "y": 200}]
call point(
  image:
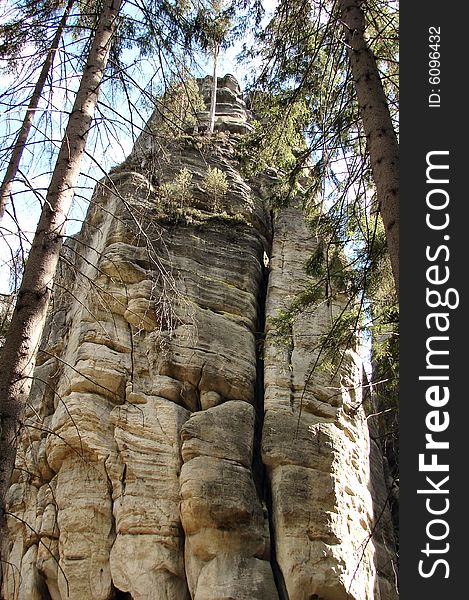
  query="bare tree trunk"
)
[
  {"x": 23, "y": 134},
  {"x": 377, "y": 124},
  {"x": 213, "y": 100},
  {"x": 23, "y": 338}
]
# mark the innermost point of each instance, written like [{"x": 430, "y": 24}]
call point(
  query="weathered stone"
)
[
  {"x": 152, "y": 463},
  {"x": 316, "y": 445},
  {"x": 47, "y": 565},
  {"x": 145, "y": 472},
  {"x": 230, "y": 110},
  {"x": 31, "y": 585},
  {"x": 143, "y": 565},
  {"x": 76, "y": 414},
  {"x": 224, "y": 431},
  {"x": 227, "y": 539},
  {"x": 236, "y": 577},
  {"x": 218, "y": 494},
  {"x": 84, "y": 519}
]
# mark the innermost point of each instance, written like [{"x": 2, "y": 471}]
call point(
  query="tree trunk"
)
[
  {"x": 377, "y": 124},
  {"x": 23, "y": 134},
  {"x": 213, "y": 101},
  {"x": 23, "y": 338}
]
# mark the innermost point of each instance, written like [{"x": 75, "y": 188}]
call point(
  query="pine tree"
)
[
  {"x": 22, "y": 341},
  {"x": 156, "y": 31},
  {"x": 210, "y": 28},
  {"x": 381, "y": 139},
  {"x": 322, "y": 56},
  {"x": 22, "y": 137}
]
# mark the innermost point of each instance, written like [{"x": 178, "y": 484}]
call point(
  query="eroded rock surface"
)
[
  {"x": 316, "y": 445},
  {"x": 152, "y": 465}
]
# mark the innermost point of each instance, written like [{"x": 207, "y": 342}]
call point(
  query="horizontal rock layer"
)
[{"x": 165, "y": 453}]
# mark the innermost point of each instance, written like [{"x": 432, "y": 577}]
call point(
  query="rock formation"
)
[{"x": 171, "y": 449}]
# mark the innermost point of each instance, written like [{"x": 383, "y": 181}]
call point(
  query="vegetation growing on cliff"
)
[
  {"x": 326, "y": 104},
  {"x": 310, "y": 126}
]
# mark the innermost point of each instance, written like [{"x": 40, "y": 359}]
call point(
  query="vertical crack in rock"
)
[
  {"x": 165, "y": 455},
  {"x": 258, "y": 467},
  {"x": 120, "y": 595},
  {"x": 129, "y": 386},
  {"x": 318, "y": 466}
]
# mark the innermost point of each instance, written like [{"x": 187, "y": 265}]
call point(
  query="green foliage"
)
[
  {"x": 315, "y": 266},
  {"x": 177, "y": 108},
  {"x": 200, "y": 218},
  {"x": 305, "y": 70},
  {"x": 346, "y": 325},
  {"x": 178, "y": 191},
  {"x": 305, "y": 92},
  {"x": 216, "y": 185},
  {"x": 211, "y": 25},
  {"x": 384, "y": 313},
  {"x": 27, "y": 23},
  {"x": 150, "y": 27},
  {"x": 218, "y": 23},
  {"x": 280, "y": 192},
  {"x": 278, "y": 136}
]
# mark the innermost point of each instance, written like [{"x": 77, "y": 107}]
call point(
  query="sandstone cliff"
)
[{"x": 171, "y": 449}]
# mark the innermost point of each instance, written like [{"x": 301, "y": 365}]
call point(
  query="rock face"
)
[
  {"x": 166, "y": 454},
  {"x": 316, "y": 448},
  {"x": 231, "y": 114}
]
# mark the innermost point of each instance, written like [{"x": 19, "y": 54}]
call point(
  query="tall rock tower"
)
[{"x": 171, "y": 449}]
